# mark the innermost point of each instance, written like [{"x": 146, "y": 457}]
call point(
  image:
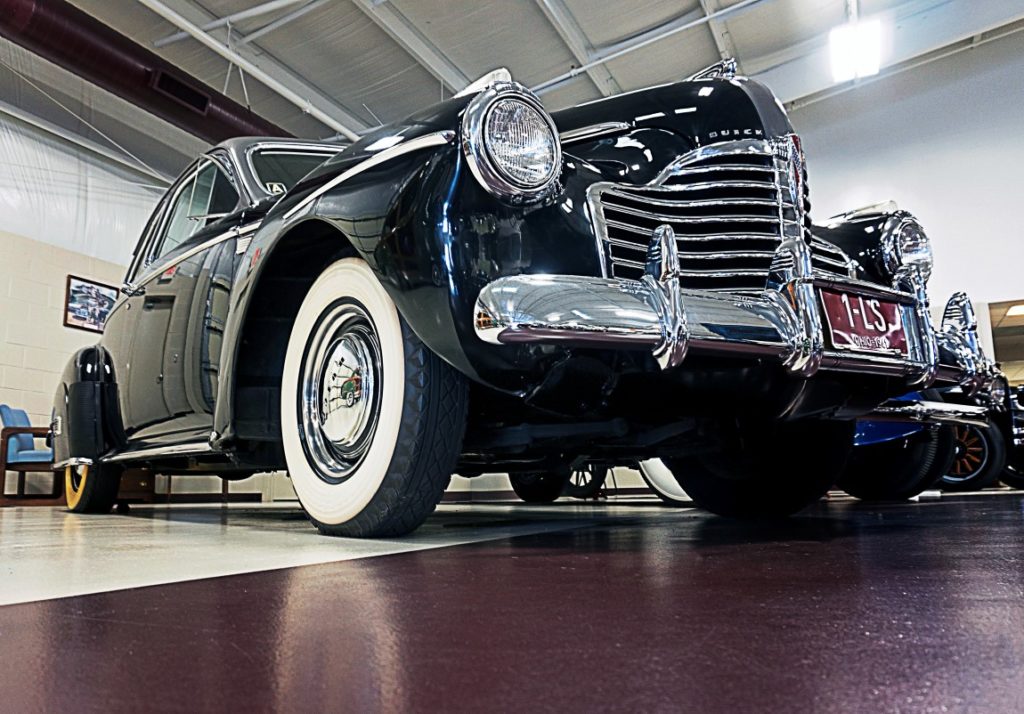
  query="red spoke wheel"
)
[{"x": 980, "y": 455}]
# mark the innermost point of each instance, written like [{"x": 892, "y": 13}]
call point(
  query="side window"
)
[{"x": 200, "y": 200}]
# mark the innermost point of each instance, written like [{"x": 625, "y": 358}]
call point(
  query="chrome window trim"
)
[
  {"x": 283, "y": 148},
  {"x": 158, "y": 237},
  {"x": 438, "y": 138}
]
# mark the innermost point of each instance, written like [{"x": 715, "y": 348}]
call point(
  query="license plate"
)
[{"x": 864, "y": 324}]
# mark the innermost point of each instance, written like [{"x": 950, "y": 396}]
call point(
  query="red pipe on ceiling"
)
[{"x": 78, "y": 42}]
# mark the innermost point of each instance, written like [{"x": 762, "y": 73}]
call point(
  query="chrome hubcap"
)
[{"x": 339, "y": 401}]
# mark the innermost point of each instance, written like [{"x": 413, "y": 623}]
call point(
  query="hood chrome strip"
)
[{"x": 438, "y": 138}]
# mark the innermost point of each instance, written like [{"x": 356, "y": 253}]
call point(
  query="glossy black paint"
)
[
  {"x": 861, "y": 238},
  {"x": 435, "y": 237},
  {"x": 197, "y": 354},
  {"x": 85, "y": 407}
]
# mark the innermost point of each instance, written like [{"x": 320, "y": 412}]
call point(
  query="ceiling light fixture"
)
[
  {"x": 855, "y": 49},
  {"x": 1015, "y": 310}
]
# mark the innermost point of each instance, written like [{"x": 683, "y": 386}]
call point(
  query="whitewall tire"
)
[
  {"x": 659, "y": 478},
  {"x": 371, "y": 420}
]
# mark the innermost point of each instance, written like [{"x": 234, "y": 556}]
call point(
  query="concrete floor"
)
[{"x": 619, "y": 606}]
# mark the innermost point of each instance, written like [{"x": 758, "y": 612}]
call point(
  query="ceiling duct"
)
[{"x": 76, "y": 41}]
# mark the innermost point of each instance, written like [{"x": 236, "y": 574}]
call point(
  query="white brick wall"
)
[{"x": 34, "y": 344}]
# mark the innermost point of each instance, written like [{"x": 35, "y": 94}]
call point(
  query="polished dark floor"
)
[{"x": 916, "y": 607}]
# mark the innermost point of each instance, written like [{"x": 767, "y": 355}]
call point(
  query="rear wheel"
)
[
  {"x": 539, "y": 487},
  {"x": 372, "y": 420},
  {"x": 91, "y": 489},
  {"x": 979, "y": 459},
  {"x": 765, "y": 469},
  {"x": 899, "y": 469}
]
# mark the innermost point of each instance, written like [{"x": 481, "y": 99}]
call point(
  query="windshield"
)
[{"x": 277, "y": 170}]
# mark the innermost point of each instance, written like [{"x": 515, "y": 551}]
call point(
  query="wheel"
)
[
  {"x": 765, "y": 469},
  {"x": 379, "y": 466},
  {"x": 979, "y": 459},
  {"x": 1012, "y": 477},
  {"x": 660, "y": 480},
  {"x": 586, "y": 481},
  {"x": 899, "y": 469},
  {"x": 91, "y": 489},
  {"x": 540, "y": 487}
]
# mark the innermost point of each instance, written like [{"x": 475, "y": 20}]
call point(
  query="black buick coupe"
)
[{"x": 489, "y": 287}]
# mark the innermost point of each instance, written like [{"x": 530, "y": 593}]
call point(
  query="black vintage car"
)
[{"x": 485, "y": 286}]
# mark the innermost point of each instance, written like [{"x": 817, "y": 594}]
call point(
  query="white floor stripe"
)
[{"x": 47, "y": 553}]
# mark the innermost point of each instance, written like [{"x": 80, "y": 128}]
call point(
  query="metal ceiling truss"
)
[
  {"x": 723, "y": 40},
  {"x": 572, "y": 35},
  {"x": 398, "y": 28},
  {"x": 619, "y": 49},
  {"x": 189, "y": 17},
  {"x": 235, "y": 17}
]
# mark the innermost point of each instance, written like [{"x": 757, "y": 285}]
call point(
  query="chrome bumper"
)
[{"x": 783, "y": 323}]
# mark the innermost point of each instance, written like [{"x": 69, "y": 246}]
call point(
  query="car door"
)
[{"x": 163, "y": 399}]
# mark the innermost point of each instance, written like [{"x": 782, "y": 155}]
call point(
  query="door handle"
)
[{"x": 132, "y": 290}]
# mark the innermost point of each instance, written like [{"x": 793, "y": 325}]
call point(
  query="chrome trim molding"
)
[
  {"x": 873, "y": 209},
  {"x": 474, "y": 144},
  {"x": 438, "y": 138},
  {"x": 655, "y": 313},
  {"x": 73, "y": 461},
  {"x": 194, "y": 251},
  {"x": 930, "y": 413},
  {"x": 593, "y": 131},
  {"x": 725, "y": 68},
  {"x": 493, "y": 77},
  {"x": 197, "y": 448}
]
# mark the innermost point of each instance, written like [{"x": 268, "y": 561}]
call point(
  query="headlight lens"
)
[
  {"x": 511, "y": 144},
  {"x": 905, "y": 244},
  {"x": 914, "y": 248},
  {"x": 520, "y": 142}
]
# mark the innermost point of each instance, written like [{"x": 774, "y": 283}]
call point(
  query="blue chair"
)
[{"x": 18, "y": 453}]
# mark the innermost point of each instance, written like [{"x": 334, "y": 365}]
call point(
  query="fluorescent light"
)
[
  {"x": 856, "y": 50},
  {"x": 1015, "y": 310}
]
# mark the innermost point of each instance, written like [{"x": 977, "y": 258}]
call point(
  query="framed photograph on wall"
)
[{"x": 87, "y": 303}]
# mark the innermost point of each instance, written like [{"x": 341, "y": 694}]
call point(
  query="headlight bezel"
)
[
  {"x": 894, "y": 253},
  {"x": 483, "y": 165}
]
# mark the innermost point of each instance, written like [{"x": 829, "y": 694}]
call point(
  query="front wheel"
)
[
  {"x": 92, "y": 488},
  {"x": 765, "y": 469},
  {"x": 374, "y": 461},
  {"x": 979, "y": 460},
  {"x": 659, "y": 479}
]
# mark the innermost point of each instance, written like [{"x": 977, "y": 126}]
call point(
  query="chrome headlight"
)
[
  {"x": 511, "y": 143},
  {"x": 907, "y": 246}
]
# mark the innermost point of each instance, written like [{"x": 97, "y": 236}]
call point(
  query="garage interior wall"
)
[{"x": 916, "y": 138}]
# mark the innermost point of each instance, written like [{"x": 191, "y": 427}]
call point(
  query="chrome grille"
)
[{"x": 730, "y": 206}]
